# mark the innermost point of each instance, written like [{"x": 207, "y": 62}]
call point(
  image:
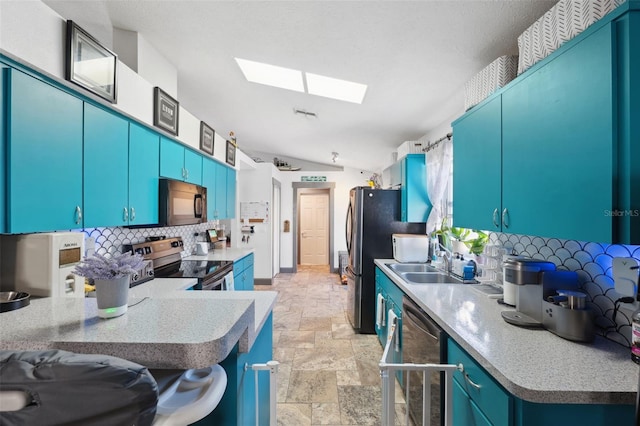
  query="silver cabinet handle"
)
[
  {"x": 133, "y": 214},
  {"x": 495, "y": 218},
  {"x": 468, "y": 380},
  {"x": 186, "y": 173},
  {"x": 125, "y": 215},
  {"x": 78, "y": 215},
  {"x": 505, "y": 218}
]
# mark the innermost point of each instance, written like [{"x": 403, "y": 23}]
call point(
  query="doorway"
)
[
  {"x": 314, "y": 228},
  {"x": 326, "y": 192}
]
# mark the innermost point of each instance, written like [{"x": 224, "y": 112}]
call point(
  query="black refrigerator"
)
[{"x": 372, "y": 216}]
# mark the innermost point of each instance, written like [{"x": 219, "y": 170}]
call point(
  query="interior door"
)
[
  {"x": 314, "y": 229},
  {"x": 276, "y": 230}
]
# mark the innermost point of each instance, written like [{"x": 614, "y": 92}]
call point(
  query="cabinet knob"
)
[
  {"x": 125, "y": 215},
  {"x": 495, "y": 218},
  {"x": 78, "y": 215},
  {"x": 505, "y": 218}
]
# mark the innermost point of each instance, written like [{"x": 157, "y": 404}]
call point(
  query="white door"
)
[
  {"x": 314, "y": 229},
  {"x": 275, "y": 211}
]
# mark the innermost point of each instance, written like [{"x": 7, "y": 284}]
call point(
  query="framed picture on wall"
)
[
  {"x": 231, "y": 153},
  {"x": 165, "y": 111},
  {"x": 89, "y": 64},
  {"x": 206, "y": 138}
]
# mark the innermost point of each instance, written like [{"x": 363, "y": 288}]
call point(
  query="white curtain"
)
[{"x": 439, "y": 166}]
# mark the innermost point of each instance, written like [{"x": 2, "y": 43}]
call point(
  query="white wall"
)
[
  {"x": 344, "y": 181},
  {"x": 156, "y": 69}
]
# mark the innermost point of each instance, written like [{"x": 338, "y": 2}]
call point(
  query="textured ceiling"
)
[{"x": 415, "y": 56}]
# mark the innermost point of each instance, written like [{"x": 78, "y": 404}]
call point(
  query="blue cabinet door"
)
[
  {"x": 465, "y": 411},
  {"x": 106, "y": 174},
  {"x": 44, "y": 139},
  {"x": 3, "y": 146},
  {"x": 477, "y": 168},
  {"x": 249, "y": 277},
  {"x": 558, "y": 147},
  {"x": 209, "y": 168},
  {"x": 171, "y": 159},
  {"x": 144, "y": 166},
  {"x": 231, "y": 193},
  {"x": 221, "y": 192},
  {"x": 193, "y": 167},
  {"x": 415, "y": 200}
]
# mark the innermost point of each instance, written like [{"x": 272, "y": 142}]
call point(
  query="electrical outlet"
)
[
  {"x": 625, "y": 276},
  {"x": 629, "y": 308}
]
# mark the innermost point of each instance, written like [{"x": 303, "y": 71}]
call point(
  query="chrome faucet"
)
[{"x": 446, "y": 256}]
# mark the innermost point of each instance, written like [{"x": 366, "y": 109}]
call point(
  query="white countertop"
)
[
  {"x": 532, "y": 364},
  {"x": 165, "y": 326},
  {"x": 228, "y": 253}
]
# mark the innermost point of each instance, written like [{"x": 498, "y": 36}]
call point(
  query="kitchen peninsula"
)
[{"x": 164, "y": 327}]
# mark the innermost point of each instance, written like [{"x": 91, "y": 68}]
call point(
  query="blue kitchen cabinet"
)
[
  {"x": 238, "y": 406},
  {"x": 3, "y": 145},
  {"x": 393, "y": 302},
  {"x": 106, "y": 174},
  {"x": 209, "y": 181},
  {"x": 243, "y": 273},
  {"x": 413, "y": 190},
  {"x": 43, "y": 155},
  {"x": 179, "y": 163},
  {"x": 477, "y": 167},
  {"x": 231, "y": 193},
  {"x": 558, "y": 150},
  {"x": 144, "y": 161},
  {"x": 566, "y": 138},
  {"x": 478, "y": 399},
  {"x": 193, "y": 167}
]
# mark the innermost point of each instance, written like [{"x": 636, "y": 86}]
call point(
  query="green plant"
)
[{"x": 473, "y": 239}]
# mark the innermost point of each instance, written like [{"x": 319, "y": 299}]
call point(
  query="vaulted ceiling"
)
[{"x": 415, "y": 57}]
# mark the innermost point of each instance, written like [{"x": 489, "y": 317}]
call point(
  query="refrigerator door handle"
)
[{"x": 347, "y": 226}]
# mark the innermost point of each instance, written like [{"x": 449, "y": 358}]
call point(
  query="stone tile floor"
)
[{"x": 328, "y": 374}]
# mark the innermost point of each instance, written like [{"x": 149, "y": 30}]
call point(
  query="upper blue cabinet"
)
[
  {"x": 180, "y": 163},
  {"x": 551, "y": 154},
  {"x": 144, "y": 160},
  {"x": 44, "y": 155},
  {"x": 415, "y": 200}
]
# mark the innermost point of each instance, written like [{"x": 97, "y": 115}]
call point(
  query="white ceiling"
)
[{"x": 415, "y": 56}]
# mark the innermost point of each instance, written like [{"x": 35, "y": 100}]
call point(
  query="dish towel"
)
[
  {"x": 380, "y": 312},
  {"x": 228, "y": 282},
  {"x": 393, "y": 319}
]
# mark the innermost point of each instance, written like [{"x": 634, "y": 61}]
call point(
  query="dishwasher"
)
[{"x": 423, "y": 342}]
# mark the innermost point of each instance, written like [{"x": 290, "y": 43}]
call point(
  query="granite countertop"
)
[
  {"x": 231, "y": 254},
  {"x": 533, "y": 364},
  {"x": 164, "y": 327}
]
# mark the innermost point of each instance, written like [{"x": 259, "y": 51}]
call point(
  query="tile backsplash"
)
[
  {"x": 111, "y": 240},
  {"x": 593, "y": 264}
]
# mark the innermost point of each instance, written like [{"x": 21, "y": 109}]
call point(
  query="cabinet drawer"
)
[
  {"x": 488, "y": 395},
  {"x": 248, "y": 261},
  {"x": 239, "y": 266},
  {"x": 466, "y": 412}
]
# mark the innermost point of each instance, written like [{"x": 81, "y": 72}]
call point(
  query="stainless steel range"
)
[{"x": 166, "y": 257}]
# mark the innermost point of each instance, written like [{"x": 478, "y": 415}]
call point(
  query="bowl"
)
[{"x": 12, "y": 300}]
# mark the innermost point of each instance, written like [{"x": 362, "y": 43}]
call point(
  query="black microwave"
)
[{"x": 182, "y": 203}]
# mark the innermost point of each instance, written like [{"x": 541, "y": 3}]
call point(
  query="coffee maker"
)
[{"x": 548, "y": 298}]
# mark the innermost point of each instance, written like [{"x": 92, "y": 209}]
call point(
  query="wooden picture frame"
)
[
  {"x": 165, "y": 111},
  {"x": 231, "y": 153},
  {"x": 207, "y": 135},
  {"x": 89, "y": 64}
]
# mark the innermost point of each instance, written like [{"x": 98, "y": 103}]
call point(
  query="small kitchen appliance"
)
[
  {"x": 41, "y": 264},
  {"x": 525, "y": 275},
  {"x": 410, "y": 247},
  {"x": 166, "y": 257}
]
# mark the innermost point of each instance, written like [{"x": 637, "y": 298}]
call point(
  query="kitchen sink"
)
[
  {"x": 429, "y": 278},
  {"x": 411, "y": 267}
]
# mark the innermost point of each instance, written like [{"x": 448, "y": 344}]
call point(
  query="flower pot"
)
[{"x": 112, "y": 296}]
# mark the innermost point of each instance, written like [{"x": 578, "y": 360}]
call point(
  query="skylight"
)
[
  {"x": 287, "y": 78},
  {"x": 335, "y": 88},
  {"x": 271, "y": 75}
]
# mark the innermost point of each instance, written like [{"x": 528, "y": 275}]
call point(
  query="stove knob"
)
[
  {"x": 174, "y": 244},
  {"x": 139, "y": 251},
  {"x": 147, "y": 250}
]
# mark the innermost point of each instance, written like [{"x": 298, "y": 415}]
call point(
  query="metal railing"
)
[
  {"x": 388, "y": 375},
  {"x": 272, "y": 367}
]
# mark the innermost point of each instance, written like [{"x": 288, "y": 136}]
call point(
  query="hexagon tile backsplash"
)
[
  {"x": 593, "y": 264},
  {"x": 111, "y": 240}
]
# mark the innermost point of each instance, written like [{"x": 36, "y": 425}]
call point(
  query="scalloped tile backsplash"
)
[{"x": 593, "y": 264}]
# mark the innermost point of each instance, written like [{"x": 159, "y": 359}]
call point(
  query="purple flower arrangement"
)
[{"x": 99, "y": 267}]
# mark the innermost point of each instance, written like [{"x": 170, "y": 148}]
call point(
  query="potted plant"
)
[
  {"x": 111, "y": 276},
  {"x": 474, "y": 240}
]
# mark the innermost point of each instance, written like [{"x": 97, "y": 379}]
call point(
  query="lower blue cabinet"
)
[{"x": 243, "y": 273}]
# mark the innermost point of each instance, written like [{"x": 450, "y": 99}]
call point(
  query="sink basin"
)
[
  {"x": 411, "y": 267},
  {"x": 429, "y": 278}
]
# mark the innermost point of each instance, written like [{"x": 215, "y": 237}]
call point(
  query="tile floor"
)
[{"x": 328, "y": 374}]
